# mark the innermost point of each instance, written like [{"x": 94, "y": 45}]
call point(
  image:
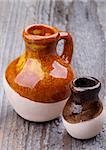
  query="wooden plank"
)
[{"x": 84, "y": 19}]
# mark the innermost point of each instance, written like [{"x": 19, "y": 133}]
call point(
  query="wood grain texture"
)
[{"x": 86, "y": 20}]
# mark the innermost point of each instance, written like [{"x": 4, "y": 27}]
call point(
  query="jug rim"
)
[
  {"x": 28, "y": 34},
  {"x": 94, "y": 85}
]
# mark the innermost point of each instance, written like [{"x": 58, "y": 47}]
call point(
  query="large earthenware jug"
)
[{"x": 37, "y": 82}]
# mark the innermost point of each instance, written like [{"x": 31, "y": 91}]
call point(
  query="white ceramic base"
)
[
  {"x": 86, "y": 129},
  {"x": 33, "y": 111}
]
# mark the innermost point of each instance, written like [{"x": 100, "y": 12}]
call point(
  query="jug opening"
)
[
  {"x": 85, "y": 82},
  {"x": 40, "y": 32}
]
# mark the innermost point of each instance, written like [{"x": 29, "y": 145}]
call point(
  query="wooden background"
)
[{"x": 86, "y": 20}]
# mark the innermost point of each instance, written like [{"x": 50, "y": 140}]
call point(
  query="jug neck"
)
[
  {"x": 40, "y": 39},
  {"x": 85, "y": 89},
  {"x": 40, "y": 48}
]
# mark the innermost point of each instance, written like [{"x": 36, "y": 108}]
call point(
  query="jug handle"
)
[{"x": 68, "y": 46}]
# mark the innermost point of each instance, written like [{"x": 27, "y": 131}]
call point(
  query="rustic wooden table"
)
[{"x": 86, "y": 20}]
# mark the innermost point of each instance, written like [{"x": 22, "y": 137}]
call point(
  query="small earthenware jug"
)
[
  {"x": 83, "y": 112},
  {"x": 37, "y": 82}
]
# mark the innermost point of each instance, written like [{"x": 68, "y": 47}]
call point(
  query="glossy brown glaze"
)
[
  {"x": 40, "y": 74},
  {"x": 84, "y": 103}
]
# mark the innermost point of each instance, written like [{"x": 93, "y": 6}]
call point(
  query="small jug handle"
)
[{"x": 68, "y": 46}]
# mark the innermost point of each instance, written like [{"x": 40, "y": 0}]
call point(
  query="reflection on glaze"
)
[
  {"x": 31, "y": 74},
  {"x": 59, "y": 71},
  {"x": 75, "y": 108}
]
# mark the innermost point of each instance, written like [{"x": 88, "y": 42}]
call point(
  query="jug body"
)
[
  {"x": 39, "y": 77},
  {"x": 83, "y": 112}
]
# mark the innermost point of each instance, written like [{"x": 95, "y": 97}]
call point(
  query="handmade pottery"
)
[
  {"x": 37, "y": 83},
  {"x": 83, "y": 113}
]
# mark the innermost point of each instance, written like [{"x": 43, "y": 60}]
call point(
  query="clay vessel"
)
[
  {"x": 37, "y": 82},
  {"x": 83, "y": 112}
]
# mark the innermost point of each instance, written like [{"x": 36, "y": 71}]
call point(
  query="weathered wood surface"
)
[{"x": 86, "y": 20}]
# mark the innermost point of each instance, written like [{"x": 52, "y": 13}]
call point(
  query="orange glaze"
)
[{"x": 40, "y": 74}]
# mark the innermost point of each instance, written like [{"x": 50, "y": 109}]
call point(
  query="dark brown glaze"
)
[
  {"x": 84, "y": 103},
  {"x": 40, "y": 74}
]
